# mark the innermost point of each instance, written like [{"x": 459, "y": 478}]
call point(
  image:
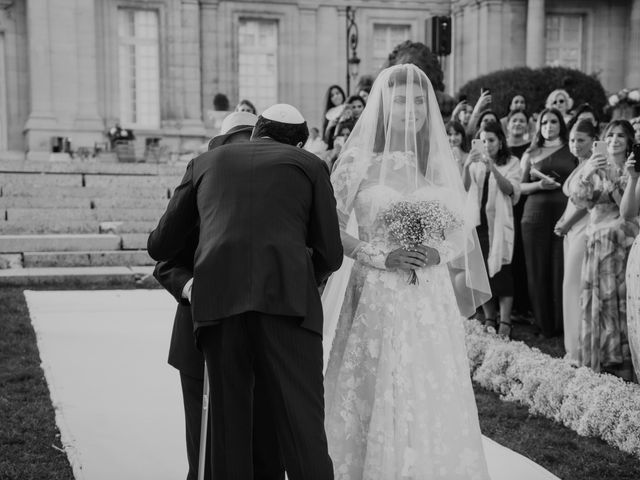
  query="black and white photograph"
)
[{"x": 319, "y": 240}]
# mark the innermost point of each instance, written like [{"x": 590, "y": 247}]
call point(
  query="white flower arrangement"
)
[
  {"x": 629, "y": 96},
  {"x": 590, "y": 403}
]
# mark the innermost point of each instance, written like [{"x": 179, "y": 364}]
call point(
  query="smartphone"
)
[
  {"x": 476, "y": 144},
  {"x": 600, "y": 147},
  {"x": 636, "y": 155}
]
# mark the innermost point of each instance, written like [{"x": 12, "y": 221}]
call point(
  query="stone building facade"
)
[{"x": 74, "y": 68}]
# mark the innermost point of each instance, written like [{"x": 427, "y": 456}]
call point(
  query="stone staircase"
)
[{"x": 79, "y": 221}]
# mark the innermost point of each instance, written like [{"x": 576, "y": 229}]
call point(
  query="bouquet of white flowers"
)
[{"x": 419, "y": 223}]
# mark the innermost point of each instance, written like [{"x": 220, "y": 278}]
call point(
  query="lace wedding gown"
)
[{"x": 398, "y": 394}]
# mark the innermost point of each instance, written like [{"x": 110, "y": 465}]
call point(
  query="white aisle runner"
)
[{"x": 118, "y": 402}]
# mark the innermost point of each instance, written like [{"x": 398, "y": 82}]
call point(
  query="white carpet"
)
[{"x": 118, "y": 403}]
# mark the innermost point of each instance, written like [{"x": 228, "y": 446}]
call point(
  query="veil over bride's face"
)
[
  {"x": 415, "y": 121},
  {"x": 400, "y": 142}
]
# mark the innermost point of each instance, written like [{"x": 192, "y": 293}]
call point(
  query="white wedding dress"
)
[
  {"x": 398, "y": 394},
  {"x": 399, "y": 400}
]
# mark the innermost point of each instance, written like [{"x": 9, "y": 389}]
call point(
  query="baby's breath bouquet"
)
[{"x": 418, "y": 223}]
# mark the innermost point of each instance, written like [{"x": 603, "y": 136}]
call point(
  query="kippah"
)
[
  {"x": 283, "y": 113},
  {"x": 236, "y": 119}
]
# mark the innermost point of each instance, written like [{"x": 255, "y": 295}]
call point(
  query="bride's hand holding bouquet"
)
[
  {"x": 410, "y": 259},
  {"x": 413, "y": 225}
]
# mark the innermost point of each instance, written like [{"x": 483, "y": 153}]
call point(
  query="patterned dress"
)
[
  {"x": 603, "y": 328},
  {"x": 633, "y": 305},
  {"x": 398, "y": 394}
]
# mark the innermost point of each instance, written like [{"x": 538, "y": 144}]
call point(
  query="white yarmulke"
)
[
  {"x": 236, "y": 119},
  {"x": 283, "y": 113}
]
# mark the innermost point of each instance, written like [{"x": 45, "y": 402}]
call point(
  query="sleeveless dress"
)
[
  {"x": 543, "y": 249},
  {"x": 398, "y": 394}
]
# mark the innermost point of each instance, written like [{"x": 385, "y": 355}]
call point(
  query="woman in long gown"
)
[
  {"x": 604, "y": 344},
  {"x": 543, "y": 250},
  {"x": 572, "y": 226},
  {"x": 630, "y": 209},
  {"x": 399, "y": 400}
]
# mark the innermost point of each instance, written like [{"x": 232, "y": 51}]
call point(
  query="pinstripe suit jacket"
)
[{"x": 268, "y": 235}]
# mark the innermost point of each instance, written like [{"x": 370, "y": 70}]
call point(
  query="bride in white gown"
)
[{"x": 398, "y": 393}]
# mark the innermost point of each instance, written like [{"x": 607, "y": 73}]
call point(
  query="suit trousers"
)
[
  {"x": 267, "y": 460},
  {"x": 250, "y": 349}
]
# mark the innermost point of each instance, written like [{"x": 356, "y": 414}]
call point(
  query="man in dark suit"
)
[
  {"x": 176, "y": 276},
  {"x": 268, "y": 236}
]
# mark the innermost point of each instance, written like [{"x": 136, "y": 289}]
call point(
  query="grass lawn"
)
[{"x": 30, "y": 445}]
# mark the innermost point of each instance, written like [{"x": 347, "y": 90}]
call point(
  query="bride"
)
[{"x": 398, "y": 394}]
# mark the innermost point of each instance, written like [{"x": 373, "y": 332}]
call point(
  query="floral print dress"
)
[
  {"x": 633, "y": 305},
  {"x": 398, "y": 393},
  {"x": 603, "y": 340}
]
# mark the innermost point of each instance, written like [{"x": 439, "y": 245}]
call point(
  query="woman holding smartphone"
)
[
  {"x": 629, "y": 209},
  {"x": 603, "y": 342},
  {"x": 545, "y": 167},
  {"x": 491, "y": 175},
  {"x": 572, "y": 226}
]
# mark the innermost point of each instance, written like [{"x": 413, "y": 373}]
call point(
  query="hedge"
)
[{"x": 535, "y": 85}]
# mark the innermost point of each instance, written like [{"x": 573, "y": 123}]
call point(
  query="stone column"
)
[
  {"x": 42, "y": 123},
  {"x": 458, "y": 51},
  {"x": 535, "y": 33},
  {"x": 633, "y": 63},
  {"x": 210, "y": 47},
  {"x": 307, "y": 34},
  {"x": 87, "y": 117},
  {"x": 40, "y": 71},
  {"x": 192, "y": 84}
]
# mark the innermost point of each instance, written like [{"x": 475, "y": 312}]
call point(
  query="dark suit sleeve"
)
[
  {"x": 175, "y": 273},
  {"x": 324, "y": 231},
  {"x": 178, "y": 221},
  {"x": 173, "y": 276}
]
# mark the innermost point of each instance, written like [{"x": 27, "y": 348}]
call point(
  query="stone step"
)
[
  {"x": 70, "y": 277},
  {"x": 46, "y": 226},
  {"x": 87, "y": 214},
  {"x": 54, "y": 191},
  {"x": 49, "y": 226},
  {"x": 32, "y": 180},
  {"x": 139, "y": 227},
  {"x": 58, "y": 243},
  {"x": 132, "y": 181},
  {"x": 113, "y": 258},
  {"x": 121, "y": 202},
  {"x": 55, "y": 202},
  {"x": 134, "y": 241},
  {"x": 93, "y": 166}
]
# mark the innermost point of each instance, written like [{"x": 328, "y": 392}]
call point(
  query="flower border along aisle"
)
[{"x": 592, "y": 404}]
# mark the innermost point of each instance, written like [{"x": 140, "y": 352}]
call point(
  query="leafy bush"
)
[{"x": 535, "y": 85}]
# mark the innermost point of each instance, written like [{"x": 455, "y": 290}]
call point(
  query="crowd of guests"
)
[
  {"x": 556, "y": 204},
  {"x": 556, "y": 199}
]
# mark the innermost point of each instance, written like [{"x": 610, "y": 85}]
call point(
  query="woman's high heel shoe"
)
[{"x": 505, "y": 330}]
